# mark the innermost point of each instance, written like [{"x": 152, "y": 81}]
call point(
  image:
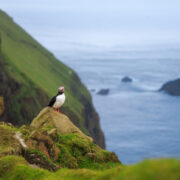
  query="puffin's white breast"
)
[{"x": 59, "y": 101}]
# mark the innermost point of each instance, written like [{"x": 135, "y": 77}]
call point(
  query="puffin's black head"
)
[{"x": 61, "y": 90}]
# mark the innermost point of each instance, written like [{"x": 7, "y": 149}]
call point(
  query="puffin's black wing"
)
[{"x": 52, "y": 101}]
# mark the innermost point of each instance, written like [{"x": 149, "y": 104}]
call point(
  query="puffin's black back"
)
[{"x": 52, "y": 101}]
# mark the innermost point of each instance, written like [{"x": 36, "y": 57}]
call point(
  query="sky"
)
[{"x": 106, "y": 23}]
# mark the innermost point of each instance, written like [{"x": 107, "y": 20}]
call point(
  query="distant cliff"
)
[{"x": 30, "y": 76}]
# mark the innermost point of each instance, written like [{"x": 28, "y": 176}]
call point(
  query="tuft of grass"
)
[
  {"x": 8, "y": 144},
  {"x": 16, "y": 168}
]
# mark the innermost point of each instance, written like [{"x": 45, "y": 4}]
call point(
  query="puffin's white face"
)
[{"x": 61, "y": 89}]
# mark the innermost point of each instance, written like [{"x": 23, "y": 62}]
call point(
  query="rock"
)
[
  {"x": 10, "y": 124},
  {"x": 49, "y": 118},
  {"x": 18, "y": 136},
  {"x": 111, "y": 156},
  {"x": 103, "y": 92},
  {"x": 43, "y": 143},
  {"x": 126, "y": 79},
  {"x": 53, "y": 134},
  {"x": 172, "y": 87},
  {"x": 39, "y": 160}
]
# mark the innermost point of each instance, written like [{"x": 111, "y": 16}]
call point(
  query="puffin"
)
[{"x": 57, "y": 101}]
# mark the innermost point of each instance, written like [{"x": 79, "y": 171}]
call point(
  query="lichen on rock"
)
[{"x": 48, "y": 118}]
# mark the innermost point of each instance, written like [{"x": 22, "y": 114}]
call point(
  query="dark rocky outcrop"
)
[
  {"x": 103, "y": 92},
  {"x": 172, "y": 87},
  {"x": 126, "y": 79}
]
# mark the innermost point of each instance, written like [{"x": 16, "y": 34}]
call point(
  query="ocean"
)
[{"x": 138, "y": 121}]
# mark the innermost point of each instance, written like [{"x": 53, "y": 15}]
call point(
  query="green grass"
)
[
  {"x": 16, "y": 168},
  {"x": 77, "y": 152}
]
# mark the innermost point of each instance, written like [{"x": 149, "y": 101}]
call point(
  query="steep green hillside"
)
[{"x": 30, "y": 75}]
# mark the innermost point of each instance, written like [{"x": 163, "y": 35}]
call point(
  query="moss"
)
[
  {"x": 25, "y": 132},
  {"x": 8, "y": 162},
  {"x": 24, "y": 172},
  {"x": 110, "y": 156},
  {"x": 34, "y": 156},
  {"x": 16, "y": 168},
  {"x": 83, "y": 153},
  {"x": 65, "y": 158},
  {"x": 8, "y": 144},
  {"x": 39, "y": 153}
]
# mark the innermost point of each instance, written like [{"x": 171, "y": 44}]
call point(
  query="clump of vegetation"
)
[
  {"x": 78, "y": 152},
  {"x": 49, "y": 149},
  {"x": 15, "y": 168},
  {"x": 8, "y": 144}
]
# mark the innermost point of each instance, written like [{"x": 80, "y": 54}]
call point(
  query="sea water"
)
[{"x": 138, "y": 121}]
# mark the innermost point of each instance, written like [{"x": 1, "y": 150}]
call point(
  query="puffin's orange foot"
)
[{"x": 59, "y": 111}]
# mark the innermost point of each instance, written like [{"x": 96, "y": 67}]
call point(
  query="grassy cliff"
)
[{"x": 30, "y": 75}]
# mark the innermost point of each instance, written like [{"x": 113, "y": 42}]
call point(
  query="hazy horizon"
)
[{"x": 102, "y": 24}]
